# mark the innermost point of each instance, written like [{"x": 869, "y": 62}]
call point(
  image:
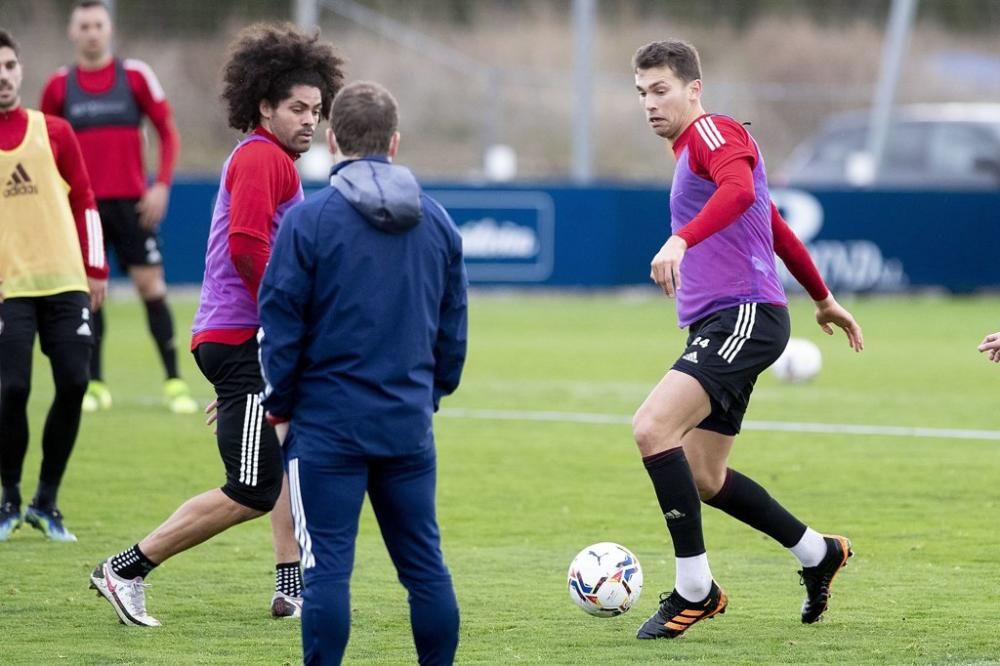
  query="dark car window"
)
[
  {"x": 833, "y": 149},
  {"x": 906, "y": 150},
  {"x": 956, "y": 148},
  {"x": 927, "y": 152}
]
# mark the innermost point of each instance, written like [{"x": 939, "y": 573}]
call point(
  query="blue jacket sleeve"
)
[
  {"x": 450, "y": 346},
  {"x": 285, "y": 292}
]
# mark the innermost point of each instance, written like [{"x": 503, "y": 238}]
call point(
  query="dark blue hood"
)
[{"x": 386, "y": 195}]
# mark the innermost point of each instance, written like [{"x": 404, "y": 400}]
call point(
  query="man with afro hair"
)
[{"x": 278, "y": 83}]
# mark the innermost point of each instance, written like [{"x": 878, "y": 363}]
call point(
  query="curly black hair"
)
[{"x": 266, "y": 60}]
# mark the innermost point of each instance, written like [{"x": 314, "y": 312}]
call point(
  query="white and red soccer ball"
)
[{"x": 605, "y": 579}]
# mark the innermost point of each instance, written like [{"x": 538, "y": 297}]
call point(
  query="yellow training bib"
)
[{"x": 39, "y": 245}]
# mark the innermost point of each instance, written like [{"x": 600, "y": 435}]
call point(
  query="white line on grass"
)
[
  {"x": 617, "y": 419},
  {"x": 766, "y": 426}
]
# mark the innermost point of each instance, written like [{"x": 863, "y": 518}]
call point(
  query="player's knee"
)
[
  {"x": 708, "y": 481},
  {"x": 153, "y": 292},
  {"x": 424, "y": 579},
  {"x": 70, "y": 368},
  {"x": 259, "y": 499},
  {"x": 150, "y": 285},
  {"x": 651, "y": 433},
  {"x": 642, "y": 429},
  {"x": 14, "y": 392},
  {"x": 72, "y": 384}
]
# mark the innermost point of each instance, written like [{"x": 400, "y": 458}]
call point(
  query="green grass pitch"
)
[{"x": 518, "y": 498}]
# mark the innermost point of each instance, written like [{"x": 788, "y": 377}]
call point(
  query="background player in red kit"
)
[
  {"x": 54, "y": 274},
  {"x": 105, "y": 98}
]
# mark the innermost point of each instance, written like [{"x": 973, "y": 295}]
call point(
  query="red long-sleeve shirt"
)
[
  {"x": 114, "y": 154},
  {"x": 258, "y": 181},
  {"x": 730, "y": 166},
  {"x": 261, "y": 177},
  {"x": 69, "y": 161}
]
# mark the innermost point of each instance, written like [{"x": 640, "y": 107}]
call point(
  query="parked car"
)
[{"x": 930, "y": 146}]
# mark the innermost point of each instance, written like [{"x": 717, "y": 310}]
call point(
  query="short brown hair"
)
[
  {"x": 364, "y": 118},
  {"x": 7, "y": 40},
  {"x": 88, "y": 4},
  {"x": 681, "y": 57}
]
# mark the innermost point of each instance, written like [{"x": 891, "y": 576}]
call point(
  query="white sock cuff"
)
[
  {"x": 694, "y": 577},
  {"x": 811, "y": 548}
]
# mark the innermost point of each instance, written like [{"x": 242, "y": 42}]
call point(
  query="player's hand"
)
[
  {"x": 829, "y": 311},
  {"x": 281, "y": 430},
  {"x": 153, "y": 206},
  {"x": 665, "y": 268},
  {"x": 213, "y": 415},
  {"x": 991, "y": 344},
  {"x": 98, "y": 292}
]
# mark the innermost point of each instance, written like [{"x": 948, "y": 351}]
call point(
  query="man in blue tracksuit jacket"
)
[{"x": 363, "y": 312}]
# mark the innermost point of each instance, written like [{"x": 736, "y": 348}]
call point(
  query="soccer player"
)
[
  {"x": 991, "y": 344},
  {"x": 278, "y": 82},
  {"x": 54, "y": 276},
  {"x": 363, "y": 312},
  {"x": 719, "y": 265},
  {"x": 105, "y": 98}
]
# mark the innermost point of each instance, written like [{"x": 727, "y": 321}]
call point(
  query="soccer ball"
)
[
  {"x": 605, "y": 579},
  {"x": 800, "y": 362}
]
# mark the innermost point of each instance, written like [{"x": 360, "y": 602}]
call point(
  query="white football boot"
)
[{"x": 127, "y": 597}]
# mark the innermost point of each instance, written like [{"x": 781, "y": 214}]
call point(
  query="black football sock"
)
[
  {"x": 45, "y": 496},
  {"x": 678, "y": 496},
  {"x": 132, "y": 563},
  {"x": 97, "y": 328},
  {"x": 288, "y": 578},
  {"x": 11, "y": 494},
  {"x": 161, "y": 325},
  {"x": 746, "y": 500}
]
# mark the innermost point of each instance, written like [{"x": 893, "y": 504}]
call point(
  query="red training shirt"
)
[
  {"x": 729, "y": 164},
  {"x": 114, "y": 154},
  {"x": 260, "y": 178}
]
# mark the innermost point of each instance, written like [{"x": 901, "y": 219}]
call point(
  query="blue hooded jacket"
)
[{"x": 363, "y": 313}]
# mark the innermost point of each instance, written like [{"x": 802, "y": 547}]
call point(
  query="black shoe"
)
[
  {"x": 818, "y": 579},
  {"x": 676, "y": 613}
]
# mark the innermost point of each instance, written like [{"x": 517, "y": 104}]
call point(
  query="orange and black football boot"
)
[
  {"x": 676, "y": 614},
  {"x": 818, "y": 579}
]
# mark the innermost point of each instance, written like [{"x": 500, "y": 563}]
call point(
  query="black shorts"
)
[
  {"x": 247, "y": 444},
  {"x": 133, "y": 245},
  {"x": 55, "y": 319},
  {"x": 727, "y": 351}
]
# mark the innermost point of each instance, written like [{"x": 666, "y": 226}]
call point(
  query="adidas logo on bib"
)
[
  {"x": 19, "y": 183},
  {"x": 691, "y": 357}
]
